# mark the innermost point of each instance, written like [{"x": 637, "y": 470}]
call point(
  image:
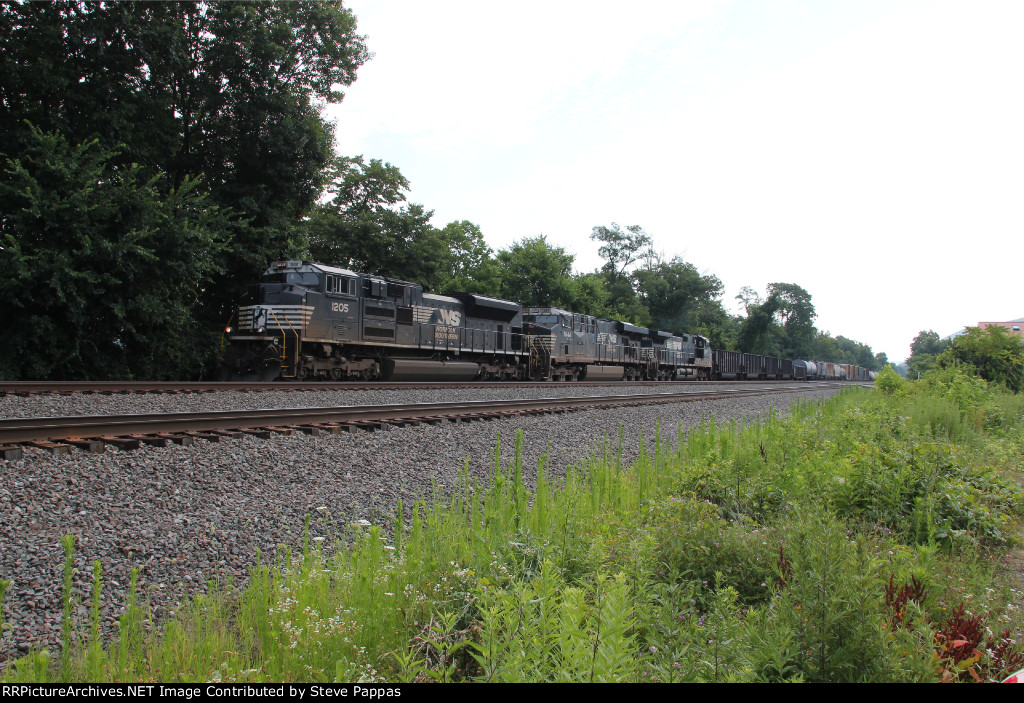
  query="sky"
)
[{"x": 869, "y": 151}]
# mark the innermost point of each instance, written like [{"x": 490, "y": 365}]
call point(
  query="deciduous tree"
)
[
  {"x": 993, "y": 353},
  {"x": 536, "y": 273},
  {"x": 102, "y": 268}
]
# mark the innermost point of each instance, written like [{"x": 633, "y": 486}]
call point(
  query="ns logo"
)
[{"x": 450, "y": 317}]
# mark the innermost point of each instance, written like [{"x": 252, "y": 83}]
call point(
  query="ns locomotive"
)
[{"x": 306, "y": 320}]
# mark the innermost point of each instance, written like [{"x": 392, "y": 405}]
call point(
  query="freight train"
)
[{"x": 309, "y": 321}]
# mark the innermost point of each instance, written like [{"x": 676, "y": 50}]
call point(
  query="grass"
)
[{"x": 857, "y": 539}]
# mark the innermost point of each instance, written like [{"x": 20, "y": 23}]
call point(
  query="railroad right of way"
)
[{"x": 186, "y": 514}]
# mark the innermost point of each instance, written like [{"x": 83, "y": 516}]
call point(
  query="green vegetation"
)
[
  {"x": 858, "y": 539},
  {"x": 178, "y": 148},
  {"x": 924, "y": 351},
  {"x": 153, "y": 158},
  {"x": 994, "y": 354}
]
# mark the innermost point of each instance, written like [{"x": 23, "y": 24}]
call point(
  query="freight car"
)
[{"x": 741, "y": 366}]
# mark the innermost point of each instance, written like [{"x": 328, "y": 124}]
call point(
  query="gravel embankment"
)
[
  {"x": 188, "y": 514},
  {"x": 145, "y": 403}
]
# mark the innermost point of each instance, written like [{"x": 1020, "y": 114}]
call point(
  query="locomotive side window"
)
[{"x": 341, "y": 285}]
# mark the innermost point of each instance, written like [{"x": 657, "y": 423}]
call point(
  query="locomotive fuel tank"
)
[{"x": 429, "y": 370}]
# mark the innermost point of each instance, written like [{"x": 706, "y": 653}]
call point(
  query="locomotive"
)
[
  {"x": 309, "y": 321},
  {"x": 305, "y": 320}
]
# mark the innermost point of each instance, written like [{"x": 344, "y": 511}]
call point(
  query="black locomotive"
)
[{"x": 306, "y": 320}]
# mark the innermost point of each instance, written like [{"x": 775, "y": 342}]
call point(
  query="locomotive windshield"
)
[{"x": 308, "y": 279}]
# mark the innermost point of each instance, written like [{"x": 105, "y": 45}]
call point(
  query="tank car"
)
[
  {"x": 805, "y": 369},
  {"x": 307, "y": 320}
]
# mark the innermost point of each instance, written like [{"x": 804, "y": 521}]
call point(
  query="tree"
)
[
  {"x": 535, "y": 273},
  {"x": 781, "y": 325},
  {"x": 749, "y": 297},
  {"x": 924, "y": 352},
  {"x": 355, "y": 229},
  {"x": 756, "y": 328},
  {"x": 928, "y": 343},
  {"x": 621, "y": 247},
  {"x": 795, "y": 312},
  {"x": 825, "y": 347},
  {"x": 214, "y": 98},
  {"x": 678, "y": 296},
  {"x": 993, "y": 353},
  {"x": 590, "y": 295},
  {"x": 466, "y": 263},
  {"x": 102, "y": 269}
]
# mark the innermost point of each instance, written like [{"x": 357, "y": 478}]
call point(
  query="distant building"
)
[{"x": 1013, "y": 326}]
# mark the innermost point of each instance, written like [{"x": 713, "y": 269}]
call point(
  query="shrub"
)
[{"x": 890, "y": 382}]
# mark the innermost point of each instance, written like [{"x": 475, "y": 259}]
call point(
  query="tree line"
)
[
  {"x": 156, "y": 156},
  {"x": 992, "y": 353}
]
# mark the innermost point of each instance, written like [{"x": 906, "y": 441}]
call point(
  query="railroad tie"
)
[
  {"x": 52, "y": 447},
  {"x": 122, "y": 443},
  {"x": 208, "y": 436},
  {"x": 183, "y": 440},
  {"x": 286, "y": 431},
  {"x": 93, "y": 446},
  {"x": 329, "y": 427},
  {"x": 150, "y": 439},
  {"x": 9, "y": 453}
]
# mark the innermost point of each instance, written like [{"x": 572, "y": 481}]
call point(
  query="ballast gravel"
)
[
  {"x": 56, "y": 405},
  {"x": 187, "y": 515}
]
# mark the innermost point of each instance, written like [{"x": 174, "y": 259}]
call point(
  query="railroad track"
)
[
  {"x": 28, "y": 388},
  {"x": 94, "y": 433}
]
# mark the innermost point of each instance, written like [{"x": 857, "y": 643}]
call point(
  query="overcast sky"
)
[{"x": 871, "y": 152}]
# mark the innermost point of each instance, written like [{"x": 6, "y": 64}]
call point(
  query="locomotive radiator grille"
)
[{"x": 286, "y": 318}]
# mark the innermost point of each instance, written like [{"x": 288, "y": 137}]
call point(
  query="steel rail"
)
[
  {"x": 22, "y": 430},
  {"x": 116, "y": 387}
]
